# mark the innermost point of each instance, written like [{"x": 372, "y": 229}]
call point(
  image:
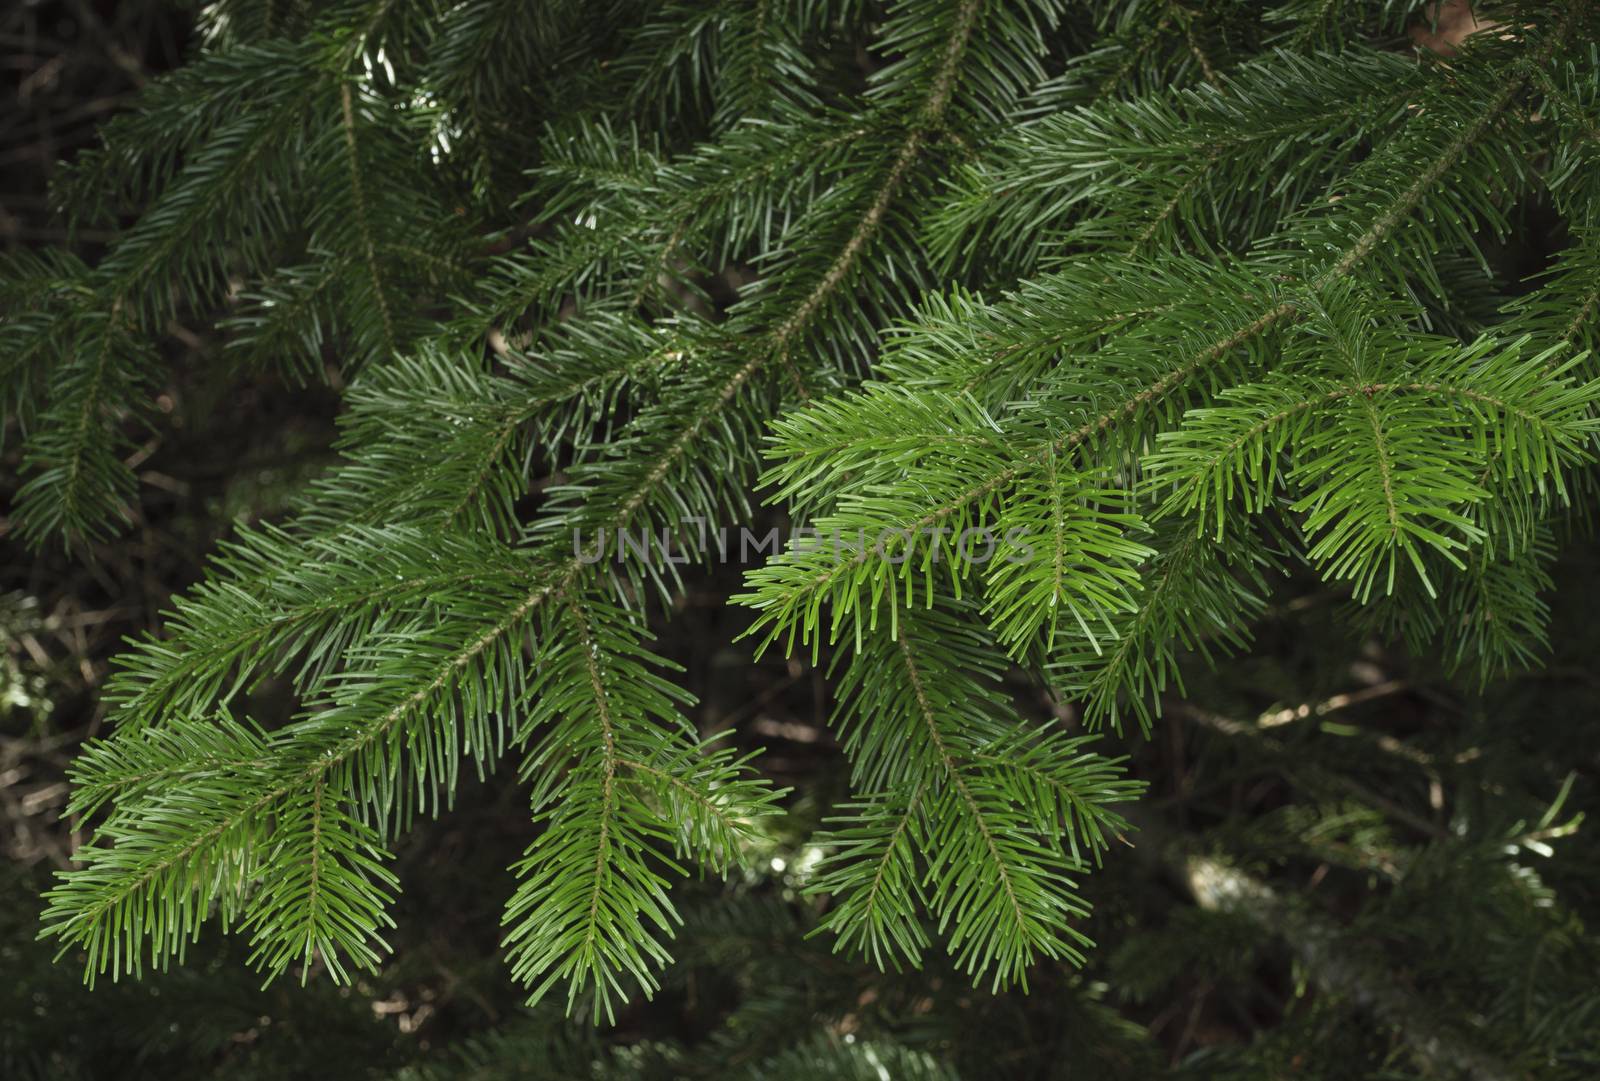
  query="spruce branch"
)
[
  {"x": 362, "y": 218},
  {"x": 1089, "y": 338},
  {"x": 970, "y": 796}
]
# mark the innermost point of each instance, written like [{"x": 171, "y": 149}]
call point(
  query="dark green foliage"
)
[{"x": 1085, "y": 337}]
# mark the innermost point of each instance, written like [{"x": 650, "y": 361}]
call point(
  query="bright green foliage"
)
[
  {"x": 617, "y": 772},
  {"x": 965, "y": 810},
  {"x": 1170, "y": 307}
]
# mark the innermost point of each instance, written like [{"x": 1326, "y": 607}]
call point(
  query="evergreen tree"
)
[{"x": 1084, "y": 341}]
